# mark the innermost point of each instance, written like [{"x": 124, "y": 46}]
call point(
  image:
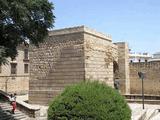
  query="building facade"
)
[
  {"x": 139, "y": 57},
  {"x": 156, "y": 55},
  {"x": 14, "y": 76}
]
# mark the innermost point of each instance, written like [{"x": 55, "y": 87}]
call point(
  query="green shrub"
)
[{"x": 89, "y": 101}]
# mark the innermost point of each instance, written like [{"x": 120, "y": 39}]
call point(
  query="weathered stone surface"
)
[
  {"x": 69, "y": 56},
  {"x": 99, "y": 57},
  {"x": 151, "y": 80},
  {"x": 123, "y": 62}
]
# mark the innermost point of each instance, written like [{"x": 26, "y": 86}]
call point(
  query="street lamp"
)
[{"x": 141, "y": 76}]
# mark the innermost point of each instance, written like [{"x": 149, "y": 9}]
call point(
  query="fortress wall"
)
[
  {"x": 123, "y": 62},
  {"x": 69, "y": 56},
  {"x": 151, "y": 80},
  {"x": 55, "y": 64},
  {"x": 99, "y": 55}
]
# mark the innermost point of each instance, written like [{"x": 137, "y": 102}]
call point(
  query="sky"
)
[{"x": 136, "y": 22}]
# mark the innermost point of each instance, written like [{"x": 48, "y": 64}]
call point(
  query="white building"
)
[
  {"x": 139, "y": 57},
  {"x": 156, "y": 57}
]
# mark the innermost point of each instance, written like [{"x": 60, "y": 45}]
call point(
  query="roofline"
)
[{"x": 80, "y": 29}]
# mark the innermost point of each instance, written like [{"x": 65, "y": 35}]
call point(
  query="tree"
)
[{"x": 22, "y": 20}]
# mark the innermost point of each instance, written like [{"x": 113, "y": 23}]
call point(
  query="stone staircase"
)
[{"x": 5, "y": 113}]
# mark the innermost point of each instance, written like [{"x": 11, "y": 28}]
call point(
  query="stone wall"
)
[
  {"x": 151, "y": 80},
  {"x": 15, "y": 84},
  {"x": 69, "y": 56},
  {"x": 99, "y": 56},
  {"x": 55, "y": 64},
  {"x": 123, "y": 62}
]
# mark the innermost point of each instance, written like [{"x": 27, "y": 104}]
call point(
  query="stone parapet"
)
[{"x": 80, "y": 29}]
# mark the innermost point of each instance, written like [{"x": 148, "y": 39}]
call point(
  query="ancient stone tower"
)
[{"x": 69, "y": 56}]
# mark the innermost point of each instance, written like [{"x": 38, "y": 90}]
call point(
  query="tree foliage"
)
[
  {"x": 89, "y": 101},
  {"x": 22, "y": 20}
]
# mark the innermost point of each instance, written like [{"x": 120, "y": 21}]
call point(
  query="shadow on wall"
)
[{"x": 116, "y": 75}]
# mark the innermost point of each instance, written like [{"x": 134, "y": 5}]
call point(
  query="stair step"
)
[
  {"x": 17, "y": 117},
  {"x": 7, "y": 118},
  {"x": 20, "y": 117},
  {"x": 5, "y": 113},
  {"x": 6, "y": 107}
]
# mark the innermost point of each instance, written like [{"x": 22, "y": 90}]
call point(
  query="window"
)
[
  {"x": 26, "y": 54},
  {"x": 13, "y": 59},
  {"x": 13, "y": 68},
  {"x": 0, "y": 68},
  {"x": 139, "y": 60},
  {"x": 25, "y": 68}
]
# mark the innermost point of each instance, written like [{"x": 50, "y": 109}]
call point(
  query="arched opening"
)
[
  {"x": 116, "y": 75},
  {"x": 115, "y": 67}
]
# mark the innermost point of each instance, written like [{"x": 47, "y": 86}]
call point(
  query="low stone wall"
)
[
  {"x": 151, "y": 80},
  {"x": 30, "y": 110}
]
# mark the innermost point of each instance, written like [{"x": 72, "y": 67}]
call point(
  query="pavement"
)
[{"x": 150, "y": 112}]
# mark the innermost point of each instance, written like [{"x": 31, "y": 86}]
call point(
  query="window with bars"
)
[
  {"x": 0, "y": 68},
  {"x": 26, "y": 54},
  {"x": 26, "y": 68},
  {"x": 13, "y": 68}
]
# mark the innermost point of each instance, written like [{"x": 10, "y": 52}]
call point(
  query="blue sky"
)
[{"x": 134, "y": 21}]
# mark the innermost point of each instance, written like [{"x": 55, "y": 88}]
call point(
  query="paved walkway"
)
[{"x": 150, "y": 112}]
